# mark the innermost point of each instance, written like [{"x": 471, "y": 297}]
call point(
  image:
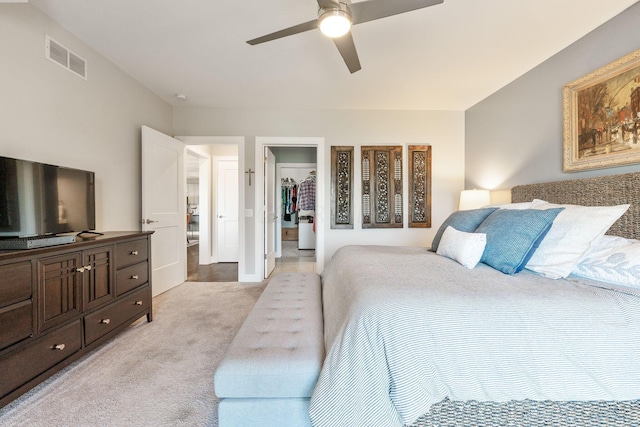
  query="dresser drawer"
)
[
  {"x": 16, "y": 323},
  {"x": 289, "y": 233},
  {"x": 129, "y": 253},
  {"x": 15, "y": 283},
  {"x": 109, "y": 318},
  {"x": 35, "y": 358},
  {"x": 131, "y": 277}
]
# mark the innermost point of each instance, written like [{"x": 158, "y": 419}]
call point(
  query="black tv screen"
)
[{"x": 38, "y": 199}]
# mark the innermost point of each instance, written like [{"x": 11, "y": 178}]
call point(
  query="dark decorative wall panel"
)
[
  {"x": 382, "y": 202},
  {"x": 420, "y": 186},
  {"x": 342, "y": 187}
]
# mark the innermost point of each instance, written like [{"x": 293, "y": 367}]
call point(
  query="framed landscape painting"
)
[{"x": 601, "y": 113}]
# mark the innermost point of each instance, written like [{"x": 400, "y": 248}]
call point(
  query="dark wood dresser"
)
[{"x": 60, "y": 302}]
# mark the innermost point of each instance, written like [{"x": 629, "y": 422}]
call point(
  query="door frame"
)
[
  {"x": 240, "y": 141},
  {"x": 321, "y": 207}
]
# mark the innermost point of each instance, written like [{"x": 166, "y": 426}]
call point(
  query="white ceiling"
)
[{"x": 445, "y": 57}]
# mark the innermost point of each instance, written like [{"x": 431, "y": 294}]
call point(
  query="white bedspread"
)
[{"x": 405, "y": 328}]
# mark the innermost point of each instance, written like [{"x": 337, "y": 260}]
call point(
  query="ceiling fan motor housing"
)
[
  {"x": 335, "y": 21},
  {"x": 335, "y": 18}
]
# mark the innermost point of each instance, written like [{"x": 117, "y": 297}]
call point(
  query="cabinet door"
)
[
  {"x": 98, "y": 276},
  {"x": 16, "y": 303},
  {"x": 59, "y": 284},
  {"x": 15, "y": 283}
]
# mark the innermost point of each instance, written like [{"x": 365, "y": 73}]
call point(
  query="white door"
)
[
  {"x": 227, "y": 207},
  {"x": 164, "y": 208},
  {"x": 269, "y": 212}
]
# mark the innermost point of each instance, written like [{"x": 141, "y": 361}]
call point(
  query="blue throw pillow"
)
[
  {"x": 513, "y": 236},
  {"x": 466, "y": 221}
]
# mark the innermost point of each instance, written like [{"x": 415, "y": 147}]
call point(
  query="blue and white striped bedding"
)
[{"x": 405, "y": 328}]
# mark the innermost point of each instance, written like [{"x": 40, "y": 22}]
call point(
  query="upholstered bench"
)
[{"x": 271, "y": 367}]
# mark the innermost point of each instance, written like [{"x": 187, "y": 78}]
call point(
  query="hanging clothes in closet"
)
[
  {"x": 289, "y": 197},
  {"x": 307, "y": 193},
  {"x": 307, "y": 212}
]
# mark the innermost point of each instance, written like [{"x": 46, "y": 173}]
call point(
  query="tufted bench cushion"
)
[{"x": 278, "y": 352}]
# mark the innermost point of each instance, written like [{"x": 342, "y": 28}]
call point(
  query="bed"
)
[{"x": 416, "y": 338}]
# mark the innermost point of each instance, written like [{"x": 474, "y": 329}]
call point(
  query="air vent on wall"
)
[{"x": 62, "y": 56}]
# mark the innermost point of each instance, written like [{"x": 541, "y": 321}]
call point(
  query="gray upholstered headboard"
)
[{"x": 598, "y": 191}]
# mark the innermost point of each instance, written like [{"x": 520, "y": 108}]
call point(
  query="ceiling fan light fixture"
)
[{"x": 335, "y": 22}]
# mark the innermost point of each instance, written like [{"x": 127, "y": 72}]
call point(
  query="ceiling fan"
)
[{"x": 335, "y": 18}]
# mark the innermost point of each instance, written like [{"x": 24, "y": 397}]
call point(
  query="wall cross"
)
[{"x": 250, "y": 172}]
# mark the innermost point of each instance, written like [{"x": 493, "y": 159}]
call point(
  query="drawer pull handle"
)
[
  {"x": 105, "y": 321},
  {"x": 59, "y": 347},
  {"x": 80, "y": 269},
  {"x": 134, "y": 252},
  {"x": 135, "y": 277},
  {"x": 138, "y": 302}
]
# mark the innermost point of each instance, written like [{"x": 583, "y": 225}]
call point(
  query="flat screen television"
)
[{"x": 38, "y": 199}]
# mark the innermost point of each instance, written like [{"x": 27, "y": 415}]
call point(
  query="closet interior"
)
[
  {"x": 296, "y": 188},
  {"x": 298, "y": 207}
]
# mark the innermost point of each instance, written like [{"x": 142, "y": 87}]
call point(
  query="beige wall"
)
[
  {"x": 50, "y": 115},
  {"x": 443, "y": 130}
]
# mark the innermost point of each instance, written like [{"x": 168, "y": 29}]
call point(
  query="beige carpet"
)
[{"x": 153, "y": 374}]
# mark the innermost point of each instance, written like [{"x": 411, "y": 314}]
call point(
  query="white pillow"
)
[
  {"x": 521, "y": 205},
  {"x": 574, "y": 231},
  {"x": 614, "y": 259},
  {"x": 465, "y": 248}
]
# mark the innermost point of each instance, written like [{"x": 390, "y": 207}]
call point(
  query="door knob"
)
[
  {"x": 220, "y": 216},
  {"x": 149, "y": 221}
]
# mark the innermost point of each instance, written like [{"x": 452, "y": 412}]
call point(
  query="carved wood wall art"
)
[
  {"x": 341, "y": 187},
  {"x": 420, "y": 186},
  {"x": 382, "y": 201}
]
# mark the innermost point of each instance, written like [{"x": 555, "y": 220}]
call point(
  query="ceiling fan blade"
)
[
  {"x": 371, "y": 10},
  {"x": 300, "y": 28},
  {"x": 347, "y": 49}
]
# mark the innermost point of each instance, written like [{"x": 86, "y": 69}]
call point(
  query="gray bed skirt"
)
[{"x": 530, "y": 413}]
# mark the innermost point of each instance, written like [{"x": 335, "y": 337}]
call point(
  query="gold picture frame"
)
[{"x": 601, "y": 115}]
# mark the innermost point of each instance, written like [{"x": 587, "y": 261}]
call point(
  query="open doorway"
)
[
  {"x": 296, "y": 230},
  {"x": 192, "y": 174},
  {"x": 295, "y": 170},
  {"x": 212, "y": 189},
  {"x": 295, "y": 226}
]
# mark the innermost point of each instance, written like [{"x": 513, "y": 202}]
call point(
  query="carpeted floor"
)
[{"x": 153, "y": 374}]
